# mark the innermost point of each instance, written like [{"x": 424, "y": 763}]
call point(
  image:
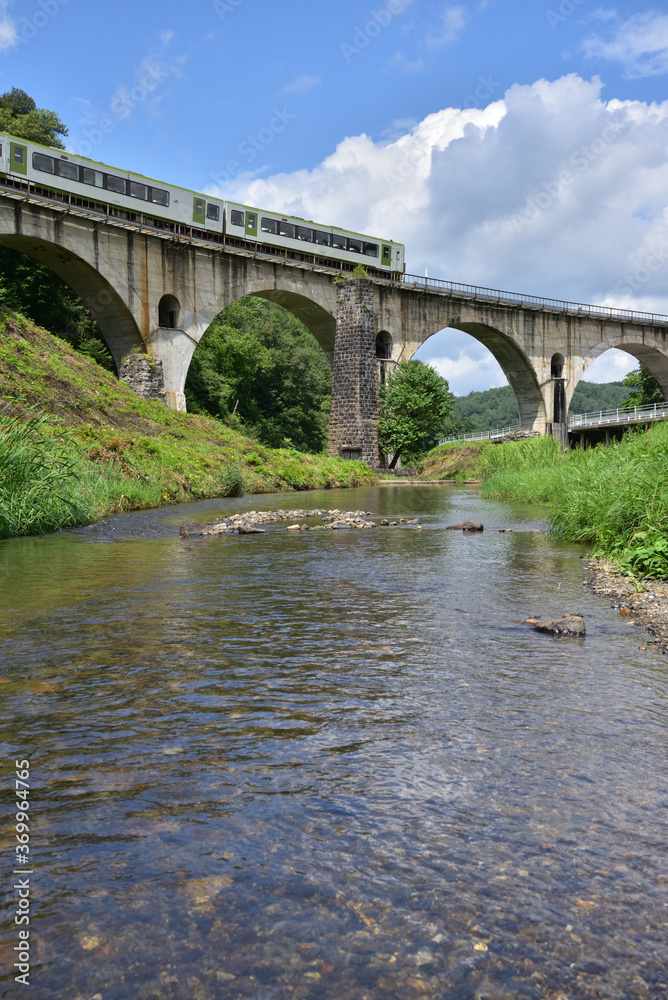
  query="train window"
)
[
  {"x": 237, "y": 218},
  {"x": 159, "y": 197},
  {"x": 304, "y": 234},
  {"x": 387, "y": 254},
  {"x": 269, "y": 226},
  {"x": 199, "y": 207},
  {"x": 213, "y": 212},
  {"x": 116, "y": 184},
  {"x": 354, "y": 246},
  {"x": 18, "y": 154},
  {"x": 68, "y": 170},
  {"x": 94, "y": 177},
  {"x": 138, "y": 191},
  {"x": 371, "y": 249},
  {"x": 286, "y": 229},
  {"x": 338, "y": 242},
  {"x": 322, "y": 239},
  {"x": 45, "y": 163}
]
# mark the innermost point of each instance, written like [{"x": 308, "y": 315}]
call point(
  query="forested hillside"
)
[{"x": 496, "y": 407}]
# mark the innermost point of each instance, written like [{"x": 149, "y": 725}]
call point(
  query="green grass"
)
[
  {"x": 77, "y": 444},
  {"x": 615, "y": 498}
]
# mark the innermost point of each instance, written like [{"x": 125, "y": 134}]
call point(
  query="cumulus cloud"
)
[
  {"x": 466, "y": 372},
  {"x": 8, "y": 31},
  {"x": 550, "y": 191},
  {"x": 639, "y": 43},
  {"x": 302, "y": 84}
]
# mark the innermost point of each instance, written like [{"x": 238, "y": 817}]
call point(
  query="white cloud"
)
[
  {"x": 550, "y": 191},
  {"x": 467, "y": 372},
  {"x": 403, "y": 65},
  {"x": 8, "y": 31},
  {"x": 611, "y": 367},
  {"x": 452, "y": 23},
  {"x": 640, "y": 44},
  {"x": 302, "y": 84}
]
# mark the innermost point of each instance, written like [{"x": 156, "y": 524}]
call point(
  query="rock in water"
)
[
  {"x": 196, "y": 529},
  {"x": 568, "y": 625},
  {"x": 466, "y": 526},
  {"x": 247, "y": 529}
]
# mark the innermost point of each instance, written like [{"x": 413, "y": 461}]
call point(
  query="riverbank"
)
[
  {"x": 77, "y": 445},
  {"x": 647, "y": 607},
  {"x": 614, "y": 498}
]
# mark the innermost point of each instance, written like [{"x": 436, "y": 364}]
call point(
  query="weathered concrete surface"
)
[{"x": 122, "y": 274}]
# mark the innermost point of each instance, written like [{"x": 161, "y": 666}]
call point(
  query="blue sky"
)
[{"x": 449, "y": 126}]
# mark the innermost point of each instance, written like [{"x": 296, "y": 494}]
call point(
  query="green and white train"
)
[{"x": 133, "y": 199}]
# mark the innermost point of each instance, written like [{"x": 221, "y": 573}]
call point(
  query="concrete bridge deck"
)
[{"x": 159, "y": 290}]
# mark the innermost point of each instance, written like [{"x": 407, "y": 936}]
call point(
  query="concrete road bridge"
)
[{"x": 158, "y": 292}]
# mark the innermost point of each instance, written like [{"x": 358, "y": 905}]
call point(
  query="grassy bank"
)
[
  {"x": 76, "y": 444},
  {"x": 614, "y": 498}
]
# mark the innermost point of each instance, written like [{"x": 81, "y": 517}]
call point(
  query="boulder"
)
[
  {"x": 466, "y": 526},
  {"x": 248, "y": 529},
  {"x": 195, "y": 529},
  {"x": 568, "y": 625}
]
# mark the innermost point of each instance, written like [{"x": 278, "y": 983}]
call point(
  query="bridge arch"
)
[
  {"x": 116, "y": 322},
  {"x": 515, "y": 365},
  {"x": 316, "y": 319},
  {"x": 653, "y": 356}
]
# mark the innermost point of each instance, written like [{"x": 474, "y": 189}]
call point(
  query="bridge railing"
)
[
  {"x": 499, "y": 297},
  {"x": 622, "y": 415},
  {"x": 494, "y": 435}
]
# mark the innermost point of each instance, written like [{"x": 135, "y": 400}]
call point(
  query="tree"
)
[
  {"x": 259, "y": 364},
  {"x": 649, "y": 390},
  {"x": 20, "y": 116},
  {"x": 415, "y": 402}
]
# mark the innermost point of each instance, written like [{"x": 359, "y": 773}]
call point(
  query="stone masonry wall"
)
[
  {"x": 143, "y": 373},
  {"x": 353, "y": 422}
]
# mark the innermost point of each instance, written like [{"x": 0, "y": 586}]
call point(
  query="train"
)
[{"x": 97, "y": 189}]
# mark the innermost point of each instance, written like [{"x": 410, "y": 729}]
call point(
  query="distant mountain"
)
[{"x": 496, "y": 407}]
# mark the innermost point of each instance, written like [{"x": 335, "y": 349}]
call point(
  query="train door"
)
[
  {"x": 251, "y": 223},
  {"x": 199, "y": 206},
  {"x": 18, "y": 158},
  {"x": 386, "y": 259}
]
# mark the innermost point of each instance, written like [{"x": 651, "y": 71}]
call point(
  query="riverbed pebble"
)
[
  {"x": 648, "y": 606},
  {"x": 248, "y": 522}
]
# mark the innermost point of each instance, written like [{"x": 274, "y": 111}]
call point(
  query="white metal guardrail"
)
[
  {"x": 502, "y": 298},
  {"x": 622, "y": 415},
  {"x": 495, "y": 435}
]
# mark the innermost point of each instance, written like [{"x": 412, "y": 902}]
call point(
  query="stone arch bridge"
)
[{"x": 156, "y": 293}]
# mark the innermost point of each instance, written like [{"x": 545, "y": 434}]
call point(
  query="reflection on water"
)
[{"x": 333, "y": 765}]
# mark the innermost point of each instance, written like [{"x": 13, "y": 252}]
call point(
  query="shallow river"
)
[{"x": 331, "y": 764}]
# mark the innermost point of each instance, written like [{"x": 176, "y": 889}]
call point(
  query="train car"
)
[
  {"x": 99, "y": 189},
  {"x": 96, "y": 186},
  {"x": 308, "y": 239}
]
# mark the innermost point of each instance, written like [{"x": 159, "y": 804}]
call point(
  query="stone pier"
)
[{"x": 353, "y": 425}]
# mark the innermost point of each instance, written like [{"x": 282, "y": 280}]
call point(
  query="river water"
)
[{"x": 331, "y": 764}]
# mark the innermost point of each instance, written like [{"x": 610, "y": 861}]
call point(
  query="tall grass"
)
[
  {"x": 615, "y": 498},
  {"x": 42, "y": 486}
]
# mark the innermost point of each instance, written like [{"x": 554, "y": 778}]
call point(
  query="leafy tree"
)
[
  {"x": 20, "y": 116},
  {"x": 34, "y": 290},
  {"x": 258, "y": 364},
  {"x": 26, "y": 285},
  {"x": 648, "y": 389},
  {"x": 415, "y": 402}
]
